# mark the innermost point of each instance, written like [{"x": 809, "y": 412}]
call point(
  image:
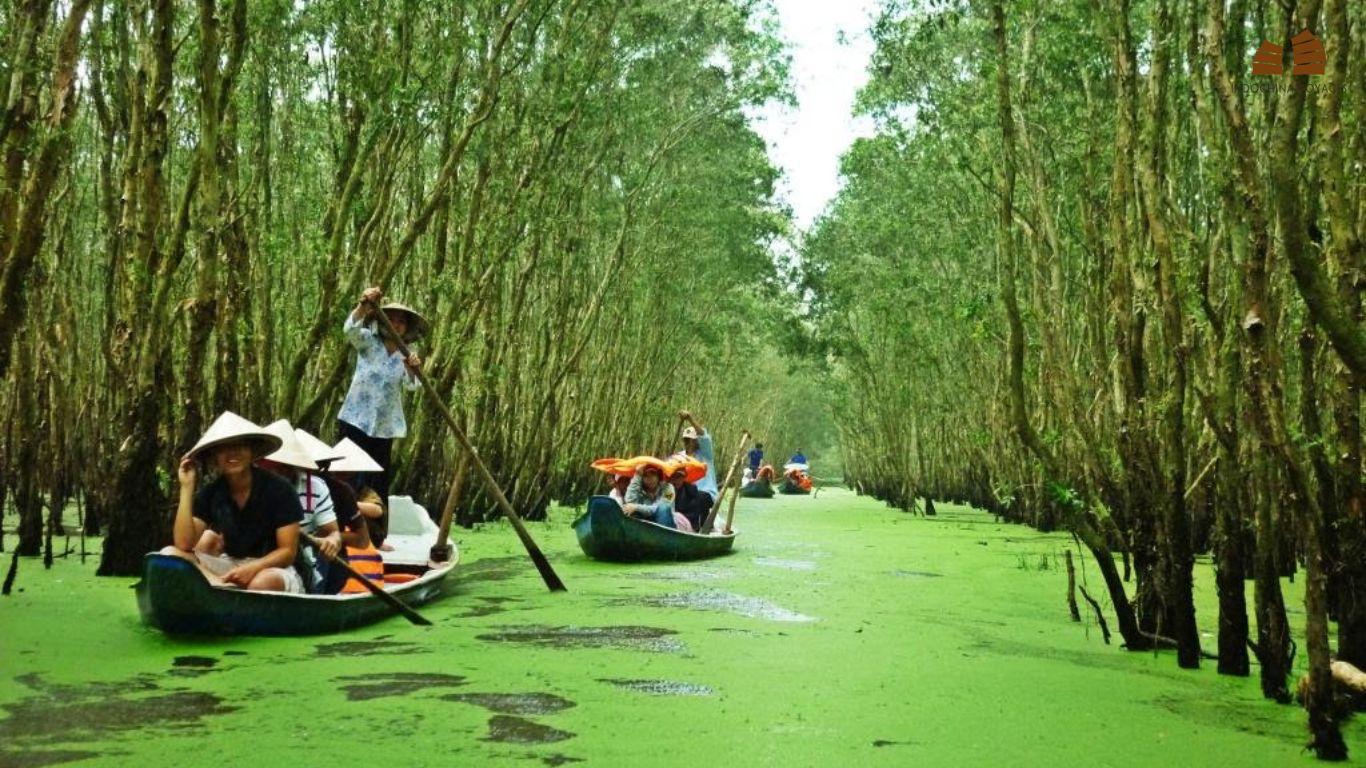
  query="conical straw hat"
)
[
  {"x": 230, "y": 428},
  {"x": 320, "y": 452},
  {"x": 417, "y": 324},
  {"x": 354, "y": 458},
  {"x": 291, "y": 451}
]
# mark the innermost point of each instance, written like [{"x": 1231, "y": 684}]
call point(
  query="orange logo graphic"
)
[
  {"x": 1306, "y": 50},
  {"x": 1309, "y": 55},
  {"x": 1267, "y": 59}
]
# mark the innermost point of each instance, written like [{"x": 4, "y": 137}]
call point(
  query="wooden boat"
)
[
  {"x": 607, "y": 534},
  {"x": 757, "y": 489},
  {"x": 792, "y": 489},
  {"x": 175, "y": 596}
]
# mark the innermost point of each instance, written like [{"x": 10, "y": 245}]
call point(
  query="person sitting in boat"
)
[
  {"x": 648, "y": 497},
  {"x": 352, "y": 468},
  {"x": 243, "y": 526},
  {"x": 765, "y": 473},
  {"x": 798, "y": 457},
  {"x": 756, "y": 457},
  {"x": 690, "y": 504},
  {"x": 747, "y": 477},
  {"x": 619, "y": 485},
  {"x": 292, "y": 462},
  {"x": 697, "y": 444},
  {"x": 357, "y": 550},
  {"x": 361, "y": 551},
  {"x": 372, "y": 414}
]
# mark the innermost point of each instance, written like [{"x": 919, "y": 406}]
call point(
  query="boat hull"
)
[
  {"x": 792, "y": 489},
  {"x": 757, "y": 489},
  {"x": 607, "y": 534},
  {"x": 175, "y": 597}
]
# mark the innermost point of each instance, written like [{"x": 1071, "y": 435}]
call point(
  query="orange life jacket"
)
[{"x": 367, "y": 562}]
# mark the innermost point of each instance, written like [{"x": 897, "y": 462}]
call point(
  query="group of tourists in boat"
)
[
  {"x": 275, "y": 489},
  {"x": 677, "y": 491},
  {"x": 796, "y": 473}
]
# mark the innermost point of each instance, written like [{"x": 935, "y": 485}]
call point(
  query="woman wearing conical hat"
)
[
  {"x": 242, "y": 527},
  {"x": 294, "y": 462},
  {"x": 372, "y": 414}
]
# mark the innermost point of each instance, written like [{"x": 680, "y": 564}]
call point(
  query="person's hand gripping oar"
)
[
  {"x": 552, "y": 580},
  {"x": 375, "y": 589}
]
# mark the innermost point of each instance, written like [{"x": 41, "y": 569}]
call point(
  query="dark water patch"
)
[
  {"x": 378, "y": 647},
  {"x": 508, "y": 729},
  {"x": 918, "y": 574},
  {"x": 1235, "y": 716},
  {"x": 64, "y": 693},
  {"x": 712, "y": 600},
  {"x": 628, "y": 637},
  {"x": 732, "y": 630},
  {"x": 514, "y": 703},
  {"x": 890, "y": 743},
  {"x": 37, "y": 758},
  {"x": 234, "y": 653},
  {"x": 557, "y": 759},
  {"x": 45, "y": 719},
  {"x": 367, "y": 687},
  {"x": 193, "y": 666},
  {"x": 194, "y": 661},
  {"x": 659, "y": 687},
  {"x": 1107, "y": 659},
  {"x": 493, "y": 569}
]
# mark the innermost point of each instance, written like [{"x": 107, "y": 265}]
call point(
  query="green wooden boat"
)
[
  {"x": 791, "y": 489},
  {"x": 175, "y": 597},
  {"x": 607, "y": 534},
  {"x": 757, "y": 489}
]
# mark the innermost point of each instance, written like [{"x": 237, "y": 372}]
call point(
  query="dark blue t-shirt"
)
[
  {"x": 250, "y": 530},
  {"x": 756, "y": 457},
  {"x": 798, "y": 458}
]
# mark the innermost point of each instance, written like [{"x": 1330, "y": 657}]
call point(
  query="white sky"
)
[{"x": 806, "y": 142}]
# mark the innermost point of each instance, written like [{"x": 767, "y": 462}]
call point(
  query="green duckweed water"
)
[{"x": 838, "y": 633}]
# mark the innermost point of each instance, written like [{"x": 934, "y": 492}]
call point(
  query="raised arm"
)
[
  {"x": 688, "y": 417},
  {"x": 187, "y": 529}
]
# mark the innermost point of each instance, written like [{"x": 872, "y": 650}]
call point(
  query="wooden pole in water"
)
[
  {"x": 1072, "y": 588},
  {"x": 552, "y": 580},
  {"x": 730, "y": 513},
  {"x": 721, "y": 495},
  {"x": 441, "y": 550}
]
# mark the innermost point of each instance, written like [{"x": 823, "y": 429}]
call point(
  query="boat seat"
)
[
  {"x": 408, "y": 518},
  {"x": 411, "y": 532}
]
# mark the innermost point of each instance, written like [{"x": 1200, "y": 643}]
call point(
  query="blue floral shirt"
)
[{"x": 374, "y": 403}]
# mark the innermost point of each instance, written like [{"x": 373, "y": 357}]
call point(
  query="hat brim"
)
[
  {"x": 261, "y": 445},
  {"x": 417, "y": 324}
]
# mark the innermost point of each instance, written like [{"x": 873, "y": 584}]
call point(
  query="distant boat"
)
[
  {"x": 757, "y": 489},
  {"x": 605, "y": 533}
]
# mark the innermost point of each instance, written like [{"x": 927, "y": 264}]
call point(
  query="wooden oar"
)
[
  {"x": 375, "y": 589},
  {"x": 721, "y": 495},
  {"x": 552, "y": 580}
]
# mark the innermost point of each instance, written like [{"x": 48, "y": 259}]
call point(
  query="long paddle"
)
[
  {"x": 552, "y": 580},
  {"x": 375, "y": 589},
  {"x": 721, "y": 495}
]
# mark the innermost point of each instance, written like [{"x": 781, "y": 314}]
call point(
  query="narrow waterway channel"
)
[{"x": 838, "y": 633}]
